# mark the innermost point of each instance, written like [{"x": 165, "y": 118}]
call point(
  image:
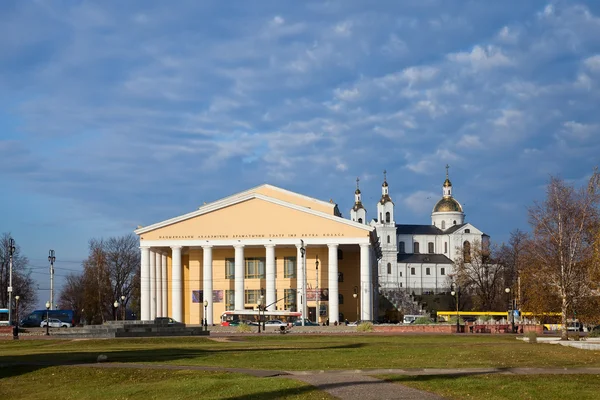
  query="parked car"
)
[
  {"x": 55, "y": 323},
  {"x": 167, "y": 321},
  {"x": 306, "y": 323},
  {"x": 356, "y": 323},
  {"x": 275, "y": 322}
]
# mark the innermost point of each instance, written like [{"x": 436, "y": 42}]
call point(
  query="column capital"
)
[
  {"x": 145, "y": 247},
  {"x": 239, "y": 245},
  {"x": 364, "y": 245},
  {"x": 176, "y": 247},
  {"x": 208, "y": 246},
  {"x": 268, "y": 245},
  {"x": 333, "y": 245}
]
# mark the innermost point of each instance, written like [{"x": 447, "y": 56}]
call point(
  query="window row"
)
[
  {"x": 252, "y": 296},
  {"x": 413, "y": 270},
  {"x": 254, "y": 268},
  {"x": 417, "y": 247}
]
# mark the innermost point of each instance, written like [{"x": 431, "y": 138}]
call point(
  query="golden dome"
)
[
  {"x": 357, "y": 191},
  {"x": 447, "y": 183},
  {"x": 447, "y": 204}
]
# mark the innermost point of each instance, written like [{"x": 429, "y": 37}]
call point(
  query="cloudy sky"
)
[{"x": 116, "y": 114}]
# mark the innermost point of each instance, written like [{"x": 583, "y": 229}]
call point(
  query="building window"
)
[
  {"x": 401, "y": 248},
  {"x": 387, "y": 217},
  {"x": 389, "y": 268},
  {"x": 454, "y": 222},
  {"x": 445, "y": 247},
  {"x": 442, "y": 271},
  {"x": 289, "y": 267},
  {"x": 412, "y": 270},
  {"x": 340, "y": 254},
  {"x": 230, "y": 268},
  {"x": 251, "y": 296},
  {"x": 443, "y": 225},
  {"x": 400, "y": 274},
  {"x": 255, "y": 268},
  {"x": 400, "y": 284},
  {"x": 340, "y": 277},
  {"x": 467, "y": 231},
  {"x": 289, "y": 302},
  {"x": 430, "y": 247},
  {"x": 467, "y": 251},
  {"x": 388, "y": 238},
  {"x": 340, "y": 298},
  {"x": 416, "y": 247},
  {"x": 229, "y": 300},
  {"x": 360, "y": 220},
  {"x": 427, "y": 271}
]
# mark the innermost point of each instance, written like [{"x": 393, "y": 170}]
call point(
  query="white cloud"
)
[
  {"x": 593, "y": 63},
  {"x": 278, "y": 20},
  {"x": 343, "y": 28},
  {"x": 579, "y": 131},
  {"x": 470, "y": 142},
  {"x": 507, "y": 35},
  {"x": 482, "y": 57},
  {"x": 420, "y": 202},
  {"x": 347, "y": 94}
]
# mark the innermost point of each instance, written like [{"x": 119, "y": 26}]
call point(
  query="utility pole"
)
[
  {"x": 11, "y": 251},
  {"x": 51, "y": 258}
]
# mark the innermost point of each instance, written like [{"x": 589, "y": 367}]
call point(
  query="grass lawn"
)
[
  {"x": 289, "y": 352},
  {"x": 117, "y": 383},
  {"x": 496, "y": 387}
]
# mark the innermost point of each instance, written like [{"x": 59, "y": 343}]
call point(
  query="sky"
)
[{"x": 117, "y": 114}]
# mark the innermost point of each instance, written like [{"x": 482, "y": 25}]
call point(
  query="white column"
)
[
  {"x": 299, "y": 280},
  {"x": 159, "y": 283},
  {"x": 207, "y": 282},
  {"x": 176, "y": 284},
  {"x": 334, "y": 305},
  {"x": 239, "y": 278},
  {"x": 366, "y": 288},
  {"x": 165, "y": 296},
  {"x": 145, "y": 283},
  {"x": 270, "y": 272},
  {"x": 152, "y": 284}
]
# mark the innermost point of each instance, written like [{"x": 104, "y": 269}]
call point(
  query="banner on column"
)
[
  {"x": 217, "y": 296},
  {"x": 197, "y": 296},
  {"x": 311, "y": 294}
]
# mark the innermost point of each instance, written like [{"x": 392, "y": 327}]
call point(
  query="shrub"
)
[
  {"x": 365, "y": 327},
  {"x": 423, "y": 321},
  {"x": 243, "y": 328},
  {"x": 453, "y": 321},
  {"x": 531, "y": 336},
  {"x": 574, "y": 336},
  {"x": 594, "y": 333}
]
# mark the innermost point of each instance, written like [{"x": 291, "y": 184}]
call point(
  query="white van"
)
[{"x": 409, "y": 319}]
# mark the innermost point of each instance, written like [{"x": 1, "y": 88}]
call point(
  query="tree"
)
[
  {"x": 563, "y": 242},
  {"x": 72, "y": 295},
  {"x": 110, "y": 272},
  {"x": 478, "y": 272},
  {"x": 22, "y": 283}
]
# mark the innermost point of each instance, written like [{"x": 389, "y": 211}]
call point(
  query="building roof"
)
[
  {"x": 423, "y": 259},
  {"x": 447, "y": 204},
  {"x": 402, "y": 229},
  {"x": 454, "y": 228}
]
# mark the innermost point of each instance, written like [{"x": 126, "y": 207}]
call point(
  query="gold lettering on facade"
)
[{"x": 250, "y": 236}]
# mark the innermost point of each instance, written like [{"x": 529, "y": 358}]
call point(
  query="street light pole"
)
[
  {"x": 11, "y": 251},
  {"x": 116, "y": 305},
  {"x": 123, "y": 308},
  {"x": 205, "y": 321},
  {"x": 303, "y": 278},
  {"x": 47, "y": 319},
  {"x": 317, "y": 294},
  {"x": 260, "y": 301},
  {"x": 51, "y": 259},
  {"x": 355, "y": 295},
  {"x": 456, "y": 292},
  {"x": 16, "y": 327},
  {"x": 510, "y": 309}
]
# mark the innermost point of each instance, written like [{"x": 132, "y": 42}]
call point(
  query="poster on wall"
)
[
  {"x": 217, "y": 296},
  {"x": 197, "y": 296},
  {"x": 311, "y": 294}
]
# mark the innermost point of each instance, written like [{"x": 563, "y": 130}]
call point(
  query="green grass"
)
[
  {"x": 505, "y": 387},
  {"x": 119, "y": 383},
  {"x": 288, "y": 352}
]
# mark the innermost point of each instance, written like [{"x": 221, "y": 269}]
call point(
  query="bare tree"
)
[
  {"x": 72, "y": 295},
  {"x": 564, "y": 240},
  {"x": 23, "y": 284},
  {"x": 478, "y": 272}
]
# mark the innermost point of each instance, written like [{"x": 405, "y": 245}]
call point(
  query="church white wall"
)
[{"x": 402, "y": 277}]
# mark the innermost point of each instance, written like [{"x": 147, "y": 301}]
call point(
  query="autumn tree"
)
[
  {"x": 22, "y": 282},
  {"x": 563, "y": 244},
  {"x": 479, "y": 273},
  {"x": 72, "y": 295}
]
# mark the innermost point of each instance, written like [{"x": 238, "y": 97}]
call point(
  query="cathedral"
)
[{"x": 419, "y": 259}]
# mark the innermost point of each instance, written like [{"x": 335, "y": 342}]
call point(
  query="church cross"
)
[
  {"x": 447, "y": 168},
  {"x": 357, "y": 182},
  {"x": 384, "y": 175}
]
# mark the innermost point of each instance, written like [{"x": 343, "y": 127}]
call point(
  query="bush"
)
[
  {"x": 531, "y": 336},
  {"x": 594, "y": 333},
  {"x": 365, "y": 327},
  {"x": 575, "y": 336},
  {"x": 243, "y": 328},
  {"x": 453, "y": 321},
  {"x": 423, "y": 321}
]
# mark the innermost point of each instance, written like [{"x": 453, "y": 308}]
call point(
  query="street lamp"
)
[
  {"x": 16, "y": 327},
  {"x": 355, "y": 295},
  {"x": 317, "y": 294},
  {"x": 456, "y": 292},
  {"x": 205, "y": 323},
  {"x": 116, "y": 305},
  {"x": 260, "y": 301},
  {"x": 303, "y": 277},
  {"x": 123, "y": 307},
  {"x": 510, "y": 310},
  {"x": 47, "y": 319}
]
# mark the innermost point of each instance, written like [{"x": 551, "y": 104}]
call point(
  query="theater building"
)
[{"x": 296, "y": 250}]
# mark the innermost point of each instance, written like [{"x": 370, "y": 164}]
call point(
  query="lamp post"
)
[
  {"x": 317, "y": 294},
  {"x": 303, "y": 277},
  {"x": 123, "y": 308},
  {"x": 510, "y": 309},
  {"x": 355, "y": 295},
  {"x": 47, "y": 319},
  {"x": 11, "y": 252},
  {"x": 456, "y": 292},
  {"x": 16, "y": 327},
  {"x": 260, "y": 301},
  {"x": 116, "y": 305},
  {"x": 205, "y": 322}
]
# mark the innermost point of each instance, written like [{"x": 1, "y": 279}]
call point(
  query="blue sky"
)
[{"x": 116, "y": 114}]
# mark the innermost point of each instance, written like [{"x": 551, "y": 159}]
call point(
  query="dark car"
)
[
  {"x": 167, "y": 321},
  {"x": 306, "y": 323}
]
